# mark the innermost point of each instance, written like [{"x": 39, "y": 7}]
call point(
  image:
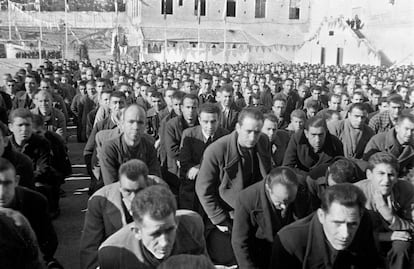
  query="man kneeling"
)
[
  {"x": 158, "y": 232},
  {"x": 338, "y": 235}
]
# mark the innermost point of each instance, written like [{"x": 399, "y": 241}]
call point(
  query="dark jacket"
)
[
  {"x": 255, "y": 225},
  {"x": 303, "y": 244},
  {"x": 22, "y": 100},
  {"x": 193, "y": 146},
  {"x": 18, "y": 245},
  {"x": 388, "y": 142},
  {"x": 278, "y": 146},
  {"x": 173, "y": 133},
  {"x": 300, "y": 155},
  {"x": 220, "y": 178},
  {"x": 104, "y": 217},
  {"x": 115, "y": 152},
  {"x": 34, "y": 207},
  {"x": 124, "y": 251},
  {"x": 38, "y": 150},
  {"x": 22, "y": 164},
  {"x": 338, "y": 129},
  {"x": 229, "y": 122}
]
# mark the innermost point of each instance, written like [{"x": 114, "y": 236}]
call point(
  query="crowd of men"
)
[{"x": 200, "y": 164}]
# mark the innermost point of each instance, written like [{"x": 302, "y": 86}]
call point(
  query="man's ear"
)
[
  {"x": 17, "y": 178},
  {"x": 321, "y": 215},
  {"x": 369, "y": 173},
  {"x": 137, "y": 232},
  {"x": 237, "y": 127}
]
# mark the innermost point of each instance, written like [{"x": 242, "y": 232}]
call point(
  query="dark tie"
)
[{"x": 209, "y": 140}]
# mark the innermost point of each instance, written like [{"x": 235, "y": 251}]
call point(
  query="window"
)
[
  {"x": 168, "y": 6},
  {"x": 294, "y": 10},
  {"x": 294, "y": 13},
  {"x": 260, "y": 9},
  {"x": 180, "y": 3},
  {"x": 154, "y": 48},
  {"x": 231, "y": 8},
  {"x": 203, "y": 7}
]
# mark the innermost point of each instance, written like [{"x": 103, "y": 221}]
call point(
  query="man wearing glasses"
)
[{"x": 109, "y": 209}]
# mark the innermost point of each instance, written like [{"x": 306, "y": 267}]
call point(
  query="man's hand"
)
[
  {"x": 192, "y": 173},
  {"x": 157, "y": 143},
  {"x": 223, "y": 229},
  {"x": 383, "y": 207},
  {"x": 401, "y": 236},
  {"x": 59, "y": 131}
]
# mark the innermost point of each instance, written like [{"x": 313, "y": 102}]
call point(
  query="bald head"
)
[{"x": 133, "y": 124}]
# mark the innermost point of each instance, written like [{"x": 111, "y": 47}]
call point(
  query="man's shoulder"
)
[
  {"x": 188, "y": 218},
  {"x": 107, "y": 134},
  {"x": 30, "y": 199},
  {"x": 121, "y": 238},
  {"x": 192, "y": 131},
  {"x": 113, "y": 143},
  {"x": 295, "y": 235},
  {"x": 364, "y": 184},
  {"x": 404, "y": 188},
  {"x": 106, "y": 190}
]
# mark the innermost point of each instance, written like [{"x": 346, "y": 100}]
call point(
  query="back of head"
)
[
  {"x": 383, "y": 158},
  {"x": 281, "y": 175},
  {"x": 156, "y": 201},
  {"x": 134, "y": 169},
  {"x": 252, "y": 113},
  {"x": 342, "y": 171},
  {"x": 187, "y": 261},
  {"x": 345, "y": 194},
  {"x": 316, "y": 122},
  {"x": 20, "y": 113},
  {"x": 18, "y": 246}
]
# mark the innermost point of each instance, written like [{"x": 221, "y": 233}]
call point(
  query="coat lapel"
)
[{"x": 115, "y": 213}]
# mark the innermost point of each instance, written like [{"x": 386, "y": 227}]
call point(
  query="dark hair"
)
[
  {"x": 376, "y": 92},
  {"x": 395, "y": 98},
  {"x": 117, "y": 94},
  {"x": 281, "y": 175},
  {"x": 334, "y": 96},
  {"x": 270, "y": 117},
  {"x": 91, "y": 83},
  {"x": 405, "y": 116},
  {"x": 20, "y": 113},
  {"x": 157, "y": 201},
  {"x": 156, "y": 94},
  {"x": 6, "y": 165},
  {"x": 133, "y": 169},
  {"x": 191, "y": 97},
  {"x": 187, "y": 261},
  {"x": 279, "y": 98},
  {"x": 38, "y": 121},
  {"x": 316, "y": 122},
  {"x": 178, "y": 95},
  {"x": 383, "y": 157},
  {"x": 359, "y": 106},
  {"x": 345, "y": 194},
  {"x": 298, "y": 113},
  {"x": 312, "y": 104},
  {"x": 250, "y": 113},
  {"x": 205, "y": 76},
  {"x": 209, "y": 108},
  {"x": 342, "y": 171},
  {"x": 3, "y": 129},
  {"x": 225, "y": 88},
  {"x": 317, "y": 88}
]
